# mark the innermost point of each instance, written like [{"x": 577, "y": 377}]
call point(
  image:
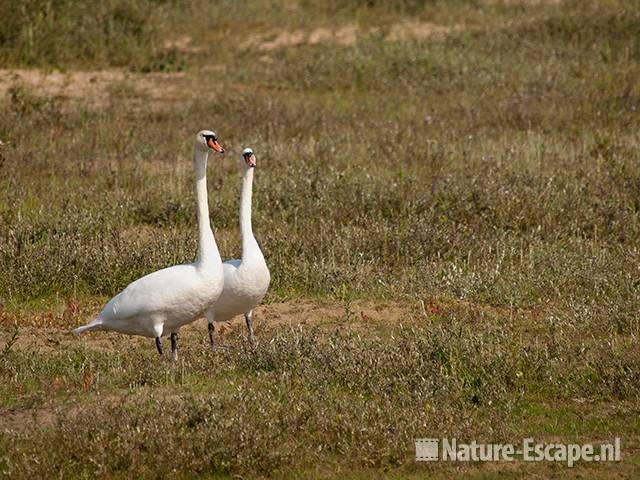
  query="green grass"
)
[{"x": 490, "y": 172}]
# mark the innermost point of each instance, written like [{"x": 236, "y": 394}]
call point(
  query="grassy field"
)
[{"x": 447, "y": 194}]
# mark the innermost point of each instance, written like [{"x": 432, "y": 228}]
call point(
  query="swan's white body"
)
[
  {"x": 246, "y": 280},
  {"x": 161, "y": 302}
]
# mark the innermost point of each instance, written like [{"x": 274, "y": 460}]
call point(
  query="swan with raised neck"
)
[
  {"x": 246, "y": 280},
  {"x": 162, "y": 302}
]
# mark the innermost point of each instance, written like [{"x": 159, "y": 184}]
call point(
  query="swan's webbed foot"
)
[
  {"x": 248, "y": 318},
  {"x": 211, "y": 329},
  {"x": 174, "y": 346},
  {"x": 159, "y": 346}
]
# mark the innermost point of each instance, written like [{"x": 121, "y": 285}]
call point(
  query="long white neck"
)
[
  {"x": 207, "y": 248},
  {"x": 249, "y": 244}
]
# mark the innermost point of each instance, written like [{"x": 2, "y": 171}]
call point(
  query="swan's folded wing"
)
[{"x": 171, "y": 289}]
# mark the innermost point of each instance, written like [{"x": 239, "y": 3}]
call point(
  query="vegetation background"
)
[{"x": 448, "y": 195}]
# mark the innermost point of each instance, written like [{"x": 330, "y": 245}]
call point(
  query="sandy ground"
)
[
  {"x": 49, "y": 331},
  {"x": 345, "y": 35},
  {"x": 94, "y": 87}
]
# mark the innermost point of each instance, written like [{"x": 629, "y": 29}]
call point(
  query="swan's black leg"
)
[
  {"x": 159, "y": 345},
  {"x": 174, "y": 346},
  {"x": 211, "y": 328},
  {"x": 249, "y": 320}
]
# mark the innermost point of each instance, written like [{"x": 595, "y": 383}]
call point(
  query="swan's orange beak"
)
[
  {"x": 213, "y": 144},
  {"x": 250, "y": 160}
]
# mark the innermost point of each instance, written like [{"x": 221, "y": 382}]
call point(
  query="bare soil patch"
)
[
  {"x": 419, "y": 31},
  {"x": 183, "y": 43},
  {"x": 48, "y": 332},
  {"x": 94, "y": 87},
  {"x": 346, "y": 35}
]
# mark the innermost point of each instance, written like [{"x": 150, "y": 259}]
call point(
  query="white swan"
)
[
  {"x": 161, "y": 302},
  {"x": 247, "y": 280}
]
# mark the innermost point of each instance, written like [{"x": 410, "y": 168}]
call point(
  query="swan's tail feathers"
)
[{"x": 95, "y": 324}]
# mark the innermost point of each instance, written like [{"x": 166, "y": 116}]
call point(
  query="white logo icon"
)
[{"x": 426, "y": 449}]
